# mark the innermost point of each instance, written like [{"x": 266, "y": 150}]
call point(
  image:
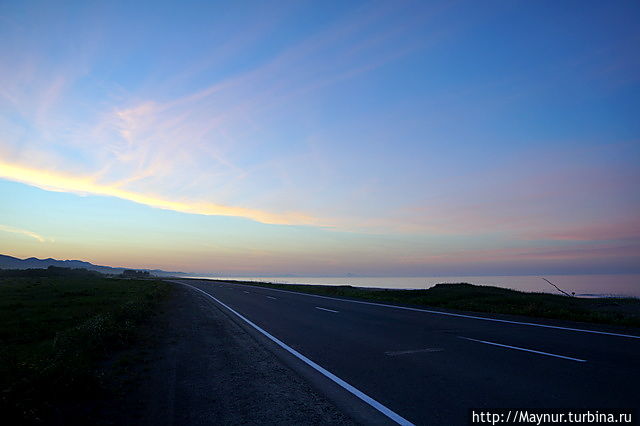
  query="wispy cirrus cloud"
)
[
  {"x": 87, "y": 185},
  {"x": 529, "y": 258},
  {"x": 35, "y": 236},
  {"x": 169, "y": 140},
  {"x": 366, "y": 119},
  {"x": 621, "y": 231}
]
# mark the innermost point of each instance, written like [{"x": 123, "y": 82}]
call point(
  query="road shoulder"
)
[{"x": 195, "y": 366}]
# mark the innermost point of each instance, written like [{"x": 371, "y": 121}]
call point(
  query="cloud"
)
[
  {"x": 628, "y": 230},
  {"x": 52, "y": 181},
  {"x": 31, "y": 234},
  {"x": 204, "y": 140},
  {"x": 575, "y": 254},
  {"x": 205, "y": 135}
]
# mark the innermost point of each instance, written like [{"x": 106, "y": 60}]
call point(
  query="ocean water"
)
[{"x": 582, "y": 285}]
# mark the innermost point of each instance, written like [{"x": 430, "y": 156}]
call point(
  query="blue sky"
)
[{"x": 376, "y": 138}]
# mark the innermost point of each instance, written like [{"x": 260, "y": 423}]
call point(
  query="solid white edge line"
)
[
  {"x": 406, "y": 308},
  {"x": 364, "y": 397},
  {"x": 328, "y": 310},
  {"x": 524, "y": 349}
]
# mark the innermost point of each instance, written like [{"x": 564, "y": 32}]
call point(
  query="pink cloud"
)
[
  {"x": 592, "y": 232},
  {"x": 506, "y": 256}
]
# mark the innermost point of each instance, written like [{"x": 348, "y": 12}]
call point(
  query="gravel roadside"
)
[{"x": 194, "y": 366}]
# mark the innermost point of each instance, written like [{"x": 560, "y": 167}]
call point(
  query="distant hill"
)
[{"x": 9, "y": 262}]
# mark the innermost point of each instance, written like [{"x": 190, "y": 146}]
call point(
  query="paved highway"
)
[{"x": 431, "y": 368}]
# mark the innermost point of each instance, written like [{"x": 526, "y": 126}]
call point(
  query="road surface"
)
[{"x": 429, "y": 368}]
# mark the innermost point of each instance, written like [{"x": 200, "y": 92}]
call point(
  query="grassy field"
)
[
  {"x": 54, "y": 331},
  {"x": 487, "y": 299}
]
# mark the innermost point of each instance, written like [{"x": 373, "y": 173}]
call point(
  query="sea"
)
[{"x": 618, "y": 285}]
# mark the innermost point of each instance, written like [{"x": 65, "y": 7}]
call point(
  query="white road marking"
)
[
  {"x": 247, "y": 292},
  {"x": 271, "y": 297},
  {"x": 524, "y": 349},
  {"x": 328, "y": 310},
  {"x": 364, "y": 397},
  {"x": 429, "y": 311},
  {"x": 416, "y": 351}
]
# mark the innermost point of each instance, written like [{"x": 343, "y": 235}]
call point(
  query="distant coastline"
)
[{"x": 602, "y": 285}]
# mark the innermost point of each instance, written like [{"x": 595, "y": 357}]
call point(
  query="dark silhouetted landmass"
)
[
  {"x": 50, "y": 272},
  {"x": 10, "y": 262},
  {"x": 130, "y": 273}
]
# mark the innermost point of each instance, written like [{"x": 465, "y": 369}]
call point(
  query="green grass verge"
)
[
  {"x": 54, "y": 331},
  {"x": 487, "y": 299}
]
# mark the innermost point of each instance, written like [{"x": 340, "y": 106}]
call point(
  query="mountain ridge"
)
[{"x": 10, "y": 262}]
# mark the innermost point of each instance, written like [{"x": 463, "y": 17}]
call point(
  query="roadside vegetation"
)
[
  {"x": 55, "y": 327},
  {"x": 488, "y": 299}
]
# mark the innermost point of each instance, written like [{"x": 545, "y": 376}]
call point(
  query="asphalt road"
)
[{"x": 430, "y": 368}]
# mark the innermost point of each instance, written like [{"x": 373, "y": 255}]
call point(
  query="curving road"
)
[{"x": 431, "y": 367}]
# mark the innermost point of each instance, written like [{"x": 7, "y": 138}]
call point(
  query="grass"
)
[
  {"x": 487, "y": 299},
  {"x": 54, "y": 331}
]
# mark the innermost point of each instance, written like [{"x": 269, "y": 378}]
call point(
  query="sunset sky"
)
[{"x": 391, "y": 138}]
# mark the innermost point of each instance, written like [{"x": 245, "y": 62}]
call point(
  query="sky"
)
[{"x": 391, "y": 138}]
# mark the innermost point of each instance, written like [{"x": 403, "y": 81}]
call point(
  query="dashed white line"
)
[
  {"x": 415, "y": 351},
  {"x": 271, "y": 297},
  {"x": 247, "y": 292},
  {"x": 524, "y": 349},
  {"x": 328, "y": 310},
  {"x": 451, "y": 314},
  {"x": 358, "y": 393}
]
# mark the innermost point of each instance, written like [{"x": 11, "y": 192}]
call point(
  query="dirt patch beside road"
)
[{"x": 195, "y": 366}]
